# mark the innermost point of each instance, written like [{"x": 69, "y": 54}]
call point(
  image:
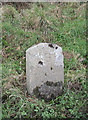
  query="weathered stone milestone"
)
[{"x": 45, "y": 70}]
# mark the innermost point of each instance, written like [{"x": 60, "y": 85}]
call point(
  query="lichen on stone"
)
[{"x": 49, "y": 90}]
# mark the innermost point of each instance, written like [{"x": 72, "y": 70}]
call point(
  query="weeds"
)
[{"x": 44, "y": 22}]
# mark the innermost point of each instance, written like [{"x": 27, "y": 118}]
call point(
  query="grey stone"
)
[{"x": 45, "y": 70}]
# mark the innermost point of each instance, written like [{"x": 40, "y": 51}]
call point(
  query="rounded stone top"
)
[
  {"x": 54, "y": 47},
  {"x": 46, "y": 52}
]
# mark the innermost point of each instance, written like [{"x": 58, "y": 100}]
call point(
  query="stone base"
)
[{"x": 49, "y": 90}]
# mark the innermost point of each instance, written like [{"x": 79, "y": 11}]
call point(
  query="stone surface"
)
[{"x": 45, "y": 70}]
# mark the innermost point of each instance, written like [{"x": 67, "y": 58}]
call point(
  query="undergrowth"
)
[{"x": 61, "y": 23}]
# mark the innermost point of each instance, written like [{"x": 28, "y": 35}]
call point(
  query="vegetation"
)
[{"x": 24, "y": 25}]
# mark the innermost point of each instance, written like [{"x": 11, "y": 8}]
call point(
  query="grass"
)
[{"x": 42, "y": 22}]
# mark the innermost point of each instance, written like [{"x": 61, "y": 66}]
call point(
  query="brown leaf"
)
[{"x": 18, "y": 48}]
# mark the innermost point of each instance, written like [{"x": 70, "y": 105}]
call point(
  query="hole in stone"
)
[
  {"x": 40, "y": 62},
  {"x": 45, "y": 74},
  {"x": 50, "y": 45},
  {"x": 56, "y": 48},
  {"x": 51, "y": 68}
]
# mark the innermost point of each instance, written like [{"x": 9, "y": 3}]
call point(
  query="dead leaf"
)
[{"x": 18, "y": 48}]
